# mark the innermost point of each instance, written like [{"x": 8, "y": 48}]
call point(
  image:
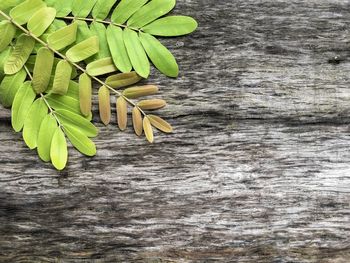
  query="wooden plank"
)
[{"x": 257, "y": 169}]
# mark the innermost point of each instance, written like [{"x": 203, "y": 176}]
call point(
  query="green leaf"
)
[
  {"x": 36, "y": 114},
  {"x": 171, "y": 26},
  {"x": 85, "y": 94},
  {"x": 77, "y": 121},
  {"x": 46, "y": 131},
  {"x": 102, "y": 9},
  {"x": 80, "y": 141},
  {"x": 73, "y": 90},
  {"x": 7, "y": 33},
  {"x": 125, "y": 9},
  {"x": 41, "y": 20},
  {"x": 63, "y": 7},
  {"x": 160, "y": 56},
  {"x": 6, "y": 4},
  {"x": 9, "y": 87},
  {"x": 24, "y": 11},
  {"x": 99, "y": 30},
  {"x": 63, "y": 37},
  {"x": 62, "y": 78},
  {"x": 59, "y": 151},
  {"x": 3, "y": 58},
  {"x": 63, "y": 102},
  {"x": 21, "y": 104},
  {"x": 20, "y": 54},
  {"x": 82, "y": 8},
  {"x": 117, "y": 48},
  {"x": 123, "y": 80},
  {"x": 136, "y": 53},
  {"x": 101, "y": 67},
  {"x": 83, "y": 50},
  {"x": 42, "y": 70},
  {"x": 150, "y": 12},
  {"x": 83, "y": 32}
]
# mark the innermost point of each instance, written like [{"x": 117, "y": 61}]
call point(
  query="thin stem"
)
[
  {"x": 43, "y": 97},
  {"x": 100, "y": 21},
  {"x": 119, "y": 94}
]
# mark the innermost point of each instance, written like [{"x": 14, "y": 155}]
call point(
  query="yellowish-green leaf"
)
[
  {"x": 6, "y": 4},
  {"x": 137, "y": 121},
  {"x": 147, "y": 127},
  {"x": 21, "y": 104},
  {"x": 101, "y": 67},
  {"x": 99, "y": 30},
  {"x": 153, "y": 104},
  {"x": 36, "y": 114},
  {"x": 122, "y": 113},
  {"x": 83, "y": 32},
  {"x": 47, "y": 129},
  {"x": 160, "y": 56},
  {"x": 150, "y": 12},
  {"x": 123, "y": 79},
  {"x": 42, "y": 70},
  {"x": 77, "y": 121},
  {"x": 171, "y": 26},
  {"x": 62, "y": 78},
  {"x": 83, "y": 50},
  {"x": 63, "y": 102},
  {"x": 9, "y": 87},
  {"x": 24, "y": 11},
  {"x": 20, "y": 54},
  {"x": 136, "y": 52},
  {"x": 41, "y": 20},
  {"x": 140, "y": 91},
  {"x": 85, "y": 94},
  {"x": 3, "y": 58},
  {"x": 160, "y": 124},
  {"x": 63, "y": 7},
  {"x": 125, "y": 9},
  {"x": 7, "y": 33},
  {"x": 59, "y": 151},
  {"x": 63, "y": 37},
  {"x": 117, "y": 48},
  {"x": 102, "y": 8},
  {"x": 80, "y": 141},
  {"x": 104, "y": 104},
  {"x": 82, "y": 8}
]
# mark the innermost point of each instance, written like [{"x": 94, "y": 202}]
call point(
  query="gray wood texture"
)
[{"x": 258, "y": 169}]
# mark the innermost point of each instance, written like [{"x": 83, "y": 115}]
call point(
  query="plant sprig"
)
[{"x": 50, "y": 107}]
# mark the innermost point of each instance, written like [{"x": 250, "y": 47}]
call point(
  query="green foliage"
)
[{"x": 50, "y": 94}]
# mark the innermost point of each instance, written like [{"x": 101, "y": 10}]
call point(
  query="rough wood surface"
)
[{"x": 258, "y": 169}]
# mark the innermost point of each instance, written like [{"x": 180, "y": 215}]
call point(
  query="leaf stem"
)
[
  {"x": 119, "y": 94},
  {"x": 99, "y": 21}
]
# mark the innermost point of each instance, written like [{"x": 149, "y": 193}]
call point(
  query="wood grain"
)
[{"x": 256, "y": 171}]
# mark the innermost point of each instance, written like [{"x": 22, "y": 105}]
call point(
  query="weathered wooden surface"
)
[{"x": 258, "y": 169}]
